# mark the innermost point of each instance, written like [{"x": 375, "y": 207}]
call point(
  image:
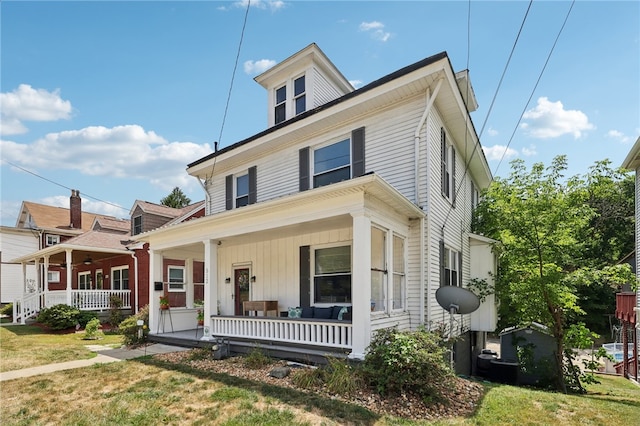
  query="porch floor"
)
[{"x": 301, "y": 353}]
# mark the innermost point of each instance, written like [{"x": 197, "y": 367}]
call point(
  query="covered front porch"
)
[{"x": 309, "y": 255}]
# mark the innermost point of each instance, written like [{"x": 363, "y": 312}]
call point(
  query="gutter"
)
[{"x": 206, "y": 195}]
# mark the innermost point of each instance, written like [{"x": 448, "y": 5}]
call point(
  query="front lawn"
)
[{"x": 24, "y": 346}]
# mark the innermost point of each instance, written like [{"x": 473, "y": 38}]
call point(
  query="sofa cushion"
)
[
  {"x": 322, "y": 313},
  {"x": 307, "y": 312},
  {"x": 295, "y": 312}
]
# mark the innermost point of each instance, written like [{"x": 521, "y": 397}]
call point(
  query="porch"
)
[{"x": 290, "y": 338}]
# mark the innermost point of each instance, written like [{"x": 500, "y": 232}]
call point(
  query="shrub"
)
[
  {"x": 7, "y": 310},
  {"x": 340, "y": 377},
  {"x": 129, "y": 327},
  {"x": 85, "y": 316},
  {"x": 59, "y": 317},
  {"x": 92, "y": 329},
  {"x": 307, "y": 378},
  {"x": 400, "y": 361},
  {"x": 115, "y": 314},
  {"x": 256, "y": 358}
]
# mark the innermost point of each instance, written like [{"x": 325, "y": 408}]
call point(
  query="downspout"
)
[
  {"x": 135, "y": 288},
  {"x": 416, "y": 156}
]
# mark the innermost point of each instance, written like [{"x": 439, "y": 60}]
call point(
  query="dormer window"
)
[
  {"x": 52, "y": 240},
  {"x": 281, "y": 104},
  {"x": 299, "y": 95}
]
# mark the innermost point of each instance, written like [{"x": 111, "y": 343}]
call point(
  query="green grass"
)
[{"x": 24, "y": 346}]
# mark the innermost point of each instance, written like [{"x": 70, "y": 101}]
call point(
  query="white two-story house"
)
[{"x": 357, "y": 199}]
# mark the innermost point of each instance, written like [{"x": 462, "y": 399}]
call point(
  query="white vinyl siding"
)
[
  {"x": 15, "y": 243},
  {"x": 323, "y": 91}
]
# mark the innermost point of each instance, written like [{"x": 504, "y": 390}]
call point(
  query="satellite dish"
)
[{"x": 457, "y": 300}]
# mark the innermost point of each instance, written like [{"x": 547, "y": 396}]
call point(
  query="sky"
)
[{"x": 116, "y": 98}]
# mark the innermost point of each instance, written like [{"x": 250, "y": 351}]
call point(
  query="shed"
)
[{"x": 533, "y": 348}]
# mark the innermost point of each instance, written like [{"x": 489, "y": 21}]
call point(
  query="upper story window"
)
[
  {"x": 448, "y": 165},
  {"x": 475, "y": 196},
  {"x": 281, "y": 104},
  {"x": 299, "y": 95},
  {"x": 176, "y": 278},
  {"x": 241, "y": 189},
  {"x": 52, "y": 240},
  {"x": 332, "y": 163},
  {"x": 137, "y": 225},
  {"x": 450, "y": 266}
]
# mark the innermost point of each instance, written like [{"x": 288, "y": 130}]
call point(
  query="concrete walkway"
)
[{"x": 106, "y": 354}]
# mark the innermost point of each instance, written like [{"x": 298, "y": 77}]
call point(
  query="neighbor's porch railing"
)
[
  {"x": 336, "y": 334},
  {"x": 89, "y": 300}
]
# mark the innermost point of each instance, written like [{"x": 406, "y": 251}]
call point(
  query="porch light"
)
[
  {"x": 88, "y": 261},
  {"x": 253, "y": 279},
  {"x": 227, "y": 280}
]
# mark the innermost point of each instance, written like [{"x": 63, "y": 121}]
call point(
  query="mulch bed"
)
[{"x": 461, "y": 396}]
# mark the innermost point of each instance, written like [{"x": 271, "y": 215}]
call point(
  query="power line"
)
[
  {"x": 534, "y": 89},
  {"x": 63, "y": 186}
]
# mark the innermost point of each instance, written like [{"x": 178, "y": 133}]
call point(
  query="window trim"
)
[
  {"x": 295, "y": 97},
  {"x": 312, "y": 259},
  {"x": 55, "y": 239},
  {"x": 137, "y": 229},
  {"x": 113, "y": 282},
  {"x": 312, "y": 162},
  {"x": 176, "y": 286},
  {"x": 53, "y": 276},
  {"x": 395, "y": 274},
  {"x": 236, "y": 195},
  {"x": 88, "y": 280},
  {"x": 279, "y": 105},
  {"x": 448, "y": 168},
  {"x": 455, "y": 265}
]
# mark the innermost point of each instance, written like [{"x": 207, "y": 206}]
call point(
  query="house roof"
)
[
  {"x": 113, "y": 224},
  {"x": 632, "y": 162},
  {"x": 50, "y": 217},
  {"x": 160, "y": 209},
  {"x": 187, "y": 213}
]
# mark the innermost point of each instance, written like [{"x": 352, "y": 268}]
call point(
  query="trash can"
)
[
  {"x": 504, "y": 371},
  {"x": 483, "y": 362}
]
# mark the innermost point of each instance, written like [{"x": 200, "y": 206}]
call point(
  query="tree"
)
[
  {"x": 543, "y": 222},
  {"x": 176, "y": 199}
]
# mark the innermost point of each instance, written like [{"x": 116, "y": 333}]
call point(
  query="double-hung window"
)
[
  {"x": 176, "y": 278},
  {"x": 448, "y": 166},
  {"x": 53, "y": 276},
  {"x": 84, "y": 280},
  {"x": 120, "y": 278},
  {"x": 475, "y": 196},
  {"x": 242, "y": 190},
  {"x": 299, "y": 95},
  {"x": 332, "y": 274},
  {"x": 137, "y": 225},
  {"x": 451, "y": 267},
  {"x": 332, "y": 163},
  {"x": 52, "y": 240},
  {"x": 398, "y": 273},
  {"x": 281, "y": 104}
]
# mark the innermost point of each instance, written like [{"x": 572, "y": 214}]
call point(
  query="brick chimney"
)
[{"x": 75, "y": 209}]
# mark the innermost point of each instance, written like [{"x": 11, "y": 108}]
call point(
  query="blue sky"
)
[{"x": 116, "y": 98}]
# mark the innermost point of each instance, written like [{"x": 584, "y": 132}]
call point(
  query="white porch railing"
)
[
  {"x": 88, "y": 300},
  {"x": 300, "y": 331},
  {"x": 26, "y": 306}
]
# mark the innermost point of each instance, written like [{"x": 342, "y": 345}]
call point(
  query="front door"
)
[{"x": 241, "y": 293}]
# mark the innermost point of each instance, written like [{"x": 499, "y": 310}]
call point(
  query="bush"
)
[
  {"x": 59, "y": 317},
  {"x": 129, "y": 328},
  {"x": 115, "y": 314},
  {"x": 7, "y": 310},
  {"x": 85, "y": 316},
  {"x": 400, "y": 361},
  {"x": 92, "y": 329},
  {"x": 256, "y": 359}
]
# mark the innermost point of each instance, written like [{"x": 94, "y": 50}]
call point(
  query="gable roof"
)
[
  {"x": 632, "y": 161},
  {"x": 50, "y": 217},
  {"x": 158, "y": 209},
  {"x": 112, "y": 224}
]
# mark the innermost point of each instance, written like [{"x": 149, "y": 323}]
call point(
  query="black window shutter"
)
[
  {"x": 443, "y": 161},
  {"x": 253, "y": 194},
  {"x": 442, "y": 270},
  {"x": 459, "y": 269},
  {"x": 304, "y": 169},
  {"x": 305, "y": 276},
  {"x": 229, "y": 191},
  {"x": 453, "y": 177},
  {"x": 357, "y": 152}
]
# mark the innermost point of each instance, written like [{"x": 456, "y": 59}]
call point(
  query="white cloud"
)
[
  {"x": 619, "y": 136},
  {"x": 529, "y": 152},
  {"x": 550, "y": 120},
  {"x": 89, "y": 205},
  {"x": 376, "y": 30},
  {"x": 259, "y": 66},
  {"x": 120, "y": 152},
  {"x": 355, "y": 83},
  {"x": 273, "y": 5},
  {"x": 28, "y": 104},
  {"x": 492, "y": 131},
  {"x": 497, "y": 152}
]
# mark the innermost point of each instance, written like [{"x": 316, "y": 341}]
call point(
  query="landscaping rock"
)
[{"x": 280, "y": 372}]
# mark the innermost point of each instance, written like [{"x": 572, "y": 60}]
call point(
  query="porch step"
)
[{"x": 300, "y": 353}]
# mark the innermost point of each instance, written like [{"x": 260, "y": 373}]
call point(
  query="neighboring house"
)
[
  {"x": 104, "y": 261},
  {"x": 15, "y": 242},
  {"x": 357, "y": 199},
  {"x": 628, "y": 303}
]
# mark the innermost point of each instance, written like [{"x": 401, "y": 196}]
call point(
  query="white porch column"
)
[
  {"x": 210, "y": 285},
  {"x": 361, "y": 284},
  {"x": 69, "y": 274},
  {"x": 155, "y": 275},
  {"x": 38, "y": 276},
  {"x": 188, "y": 274}
]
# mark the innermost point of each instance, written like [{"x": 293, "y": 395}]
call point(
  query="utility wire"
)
[
  {"x": 63, "y": 186},
  {"x": 534, "y": 89}
]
